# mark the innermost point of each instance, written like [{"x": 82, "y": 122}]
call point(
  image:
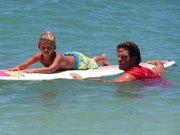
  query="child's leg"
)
[{"x": 102, "y": 59}]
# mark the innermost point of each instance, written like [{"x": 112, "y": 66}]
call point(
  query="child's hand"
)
[
  {"x": 27, "y": 71},
  {"x": 13, "y": 69},
  {"x": 76, "y": 76}
]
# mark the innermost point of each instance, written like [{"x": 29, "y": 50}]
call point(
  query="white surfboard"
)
[{"x": 101, "y": 71}]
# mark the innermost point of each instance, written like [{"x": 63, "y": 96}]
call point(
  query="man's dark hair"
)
[{"x": 132, "y": 49}]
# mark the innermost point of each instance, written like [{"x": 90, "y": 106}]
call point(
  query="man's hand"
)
[
  {"x": 159, "y": 69},
  {"x": 76, "y": 76}
]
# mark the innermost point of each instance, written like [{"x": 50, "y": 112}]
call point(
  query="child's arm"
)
[
  {"x": 26, "y": 64},
  {"x": 47, "y": 70}
]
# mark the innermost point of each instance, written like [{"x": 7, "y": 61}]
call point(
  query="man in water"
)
[{"x": 129, "y": 58}]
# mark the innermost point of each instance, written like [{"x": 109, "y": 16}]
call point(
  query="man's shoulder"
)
[{"x": 137, "y": 68}]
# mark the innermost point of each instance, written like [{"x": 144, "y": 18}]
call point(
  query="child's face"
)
[{"x": 46, "y": 47}]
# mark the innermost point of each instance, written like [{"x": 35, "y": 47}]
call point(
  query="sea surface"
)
[{"x": 93, "y": 27}]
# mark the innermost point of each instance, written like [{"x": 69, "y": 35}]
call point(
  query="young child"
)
[{"x": 54, "y": 61}]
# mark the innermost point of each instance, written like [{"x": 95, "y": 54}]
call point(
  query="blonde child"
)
[{"x": 54, "y": 61}]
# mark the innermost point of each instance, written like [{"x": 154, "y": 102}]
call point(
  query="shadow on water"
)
[
  {"x": 135, "y": 89},
  {"x": 129, "y": 89},
  {"x": 48, "y": 94}
]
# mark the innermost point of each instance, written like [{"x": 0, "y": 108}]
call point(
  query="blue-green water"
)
[{"x": 70, "y": 107}]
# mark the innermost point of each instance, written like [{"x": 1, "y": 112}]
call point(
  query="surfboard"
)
[{"x": 100, "y": 72}]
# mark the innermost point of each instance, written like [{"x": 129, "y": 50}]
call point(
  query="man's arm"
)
[
  {"x": 124, "y": 78},
  {"x": 159, "y": 69}
]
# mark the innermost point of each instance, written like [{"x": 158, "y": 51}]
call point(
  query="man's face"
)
[{"x": 124, "y": 60}]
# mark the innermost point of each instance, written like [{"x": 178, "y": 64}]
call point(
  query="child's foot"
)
[{"x": 105, "y": 61}]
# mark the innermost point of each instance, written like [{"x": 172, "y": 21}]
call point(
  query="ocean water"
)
[{"x": 93, "y": 27}]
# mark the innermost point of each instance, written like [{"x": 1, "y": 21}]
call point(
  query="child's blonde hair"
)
[{"x": 48, "y": 37}]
